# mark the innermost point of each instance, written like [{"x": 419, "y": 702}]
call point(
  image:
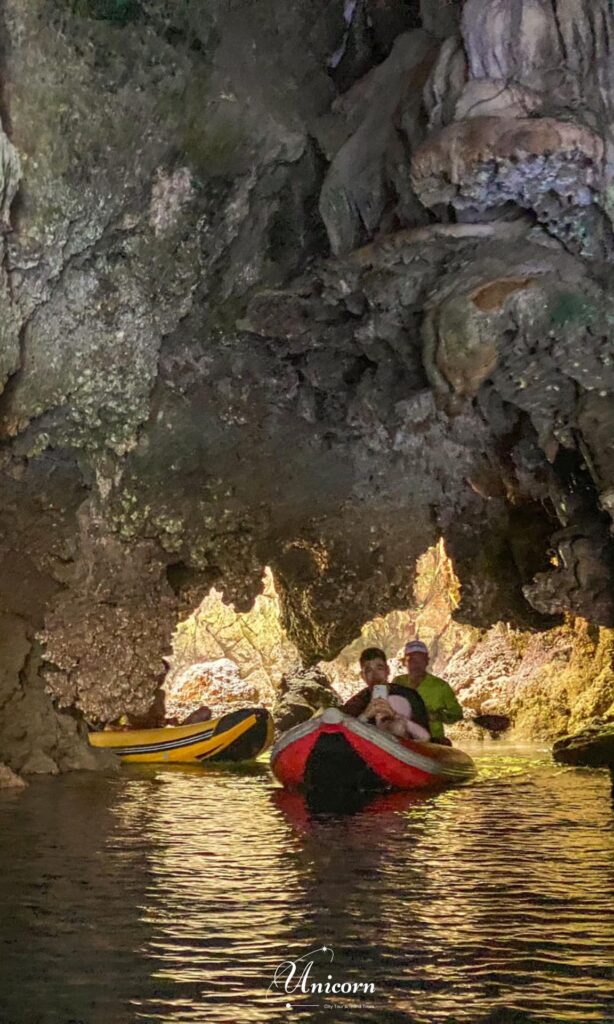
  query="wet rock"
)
[
  {"x": 290, "y": 712},
  {"x": 39, "y": 764},
  {"x": 495, "y": 725},
  {"x": 302, "y": 693},
  {"x": 593, "y": 747},
  {"x": 81, "y": 757}
]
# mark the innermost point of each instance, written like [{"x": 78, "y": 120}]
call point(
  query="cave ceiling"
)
[{"x": 308, "y": 286}]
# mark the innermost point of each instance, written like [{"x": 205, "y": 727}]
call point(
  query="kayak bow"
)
[{"x": 237, "y": 736}]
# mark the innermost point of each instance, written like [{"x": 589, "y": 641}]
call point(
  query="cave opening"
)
[
  {"x": 223, "y": 657},
  {"x": 545, "y": 678}
]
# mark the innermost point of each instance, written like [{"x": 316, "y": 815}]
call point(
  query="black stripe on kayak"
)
[
  {"x": 152, "y": 748},
  {"x": 224, "y": 723},
  {"x": 244, "y": 747}
]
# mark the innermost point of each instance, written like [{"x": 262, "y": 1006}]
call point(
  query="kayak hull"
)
[
  {"x": 238, "y": 736},
  {"x": 334, "y": 750}
]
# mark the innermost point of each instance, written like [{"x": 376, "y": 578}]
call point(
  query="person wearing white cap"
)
[{"x": 439, "y": 697}]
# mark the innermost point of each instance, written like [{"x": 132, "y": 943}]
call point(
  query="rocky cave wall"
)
[{"x": 307, "y": 285}]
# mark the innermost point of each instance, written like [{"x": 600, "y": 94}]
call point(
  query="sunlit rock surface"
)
[
  {"x": 314, "y": 319},
  {"x": 252, "y": 645},
  {"x": 214, "y": 684}
]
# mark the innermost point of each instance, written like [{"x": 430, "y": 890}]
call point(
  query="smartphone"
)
[{"x": 380, "y": 690}]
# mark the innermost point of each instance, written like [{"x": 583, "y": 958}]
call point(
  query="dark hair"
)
[{"x": 371, "y": 654}]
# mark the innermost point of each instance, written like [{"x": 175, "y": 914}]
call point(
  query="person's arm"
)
[
  {"x": 451, "y": 711},
  {"x": 356, "y": 704}
]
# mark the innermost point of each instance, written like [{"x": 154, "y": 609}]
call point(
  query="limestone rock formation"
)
[
  {"x": 490, "y": 165},
  {"x": 9, "y": 779},
  {"x": 214, "y": 684},
  {"x": 302, "y": 693},
  {"x": 361, "y": 139},
  {"x": 203, "y": 374}
]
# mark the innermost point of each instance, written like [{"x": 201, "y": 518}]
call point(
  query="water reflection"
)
[
  {"x": 64, "y": 872},
  {"x": 170, "y": 895}
]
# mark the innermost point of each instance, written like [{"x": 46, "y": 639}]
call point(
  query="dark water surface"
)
[{"x": 172, "y": 895}]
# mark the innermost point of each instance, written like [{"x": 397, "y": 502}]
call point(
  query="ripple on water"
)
[{"x": 171, "y": 895}]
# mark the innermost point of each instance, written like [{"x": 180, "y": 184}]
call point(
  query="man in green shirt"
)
[{"x": 439, "y": 697}]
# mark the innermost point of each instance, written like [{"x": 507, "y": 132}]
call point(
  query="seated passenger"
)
[
  {"x": 403, "y": 714},
  {"x": 438, "y": 696}
]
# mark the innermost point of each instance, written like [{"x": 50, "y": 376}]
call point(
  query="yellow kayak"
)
[{"x": 237, "y": 736}]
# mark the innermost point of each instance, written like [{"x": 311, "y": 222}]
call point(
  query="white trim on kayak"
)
[{"x": 390, "y": 744}]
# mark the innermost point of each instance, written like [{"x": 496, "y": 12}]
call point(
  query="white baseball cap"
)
[{"x": 416, "y": 647}]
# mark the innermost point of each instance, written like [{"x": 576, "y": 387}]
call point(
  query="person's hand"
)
[{"x": 380, "y": 709}]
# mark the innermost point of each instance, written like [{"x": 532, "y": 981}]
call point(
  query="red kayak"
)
[{"x": 333, "y": 750}]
